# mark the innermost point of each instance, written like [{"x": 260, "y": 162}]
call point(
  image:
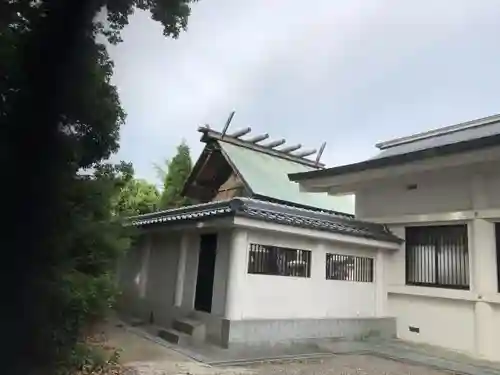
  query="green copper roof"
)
[{"x": 267, "y": 175}]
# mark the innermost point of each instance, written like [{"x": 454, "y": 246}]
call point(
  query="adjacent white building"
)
[{"x": 440, "y": 192}]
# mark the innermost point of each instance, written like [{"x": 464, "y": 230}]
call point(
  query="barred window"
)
[
  {"x": 349, "y": 268},
  {"x": 274, "y": 260},
  {"x": 437, "y": 256}
]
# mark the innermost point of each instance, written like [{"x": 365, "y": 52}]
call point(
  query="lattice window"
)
[
  {"x": 437, "y": 256},
  {"x": 280, "y": 261},
  {"x": 349, "y": 268}
]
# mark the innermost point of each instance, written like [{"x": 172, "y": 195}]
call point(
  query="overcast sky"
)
[{"x": 348, "y": 72}]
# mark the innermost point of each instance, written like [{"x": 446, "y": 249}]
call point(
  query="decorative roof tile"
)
[{"x": 270, "y": 212}]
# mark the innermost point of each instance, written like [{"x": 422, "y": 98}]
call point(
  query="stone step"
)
[
  {"x": 194, "y": 328},
  {"x": 174, "y": 337},
  {"x": 135, "y": 322},
  {"x": 186, "y": 325}
]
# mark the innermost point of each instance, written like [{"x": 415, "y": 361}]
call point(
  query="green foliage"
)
[
  {"x": 86, "y": 360},
  {"x": 56, "y": 82},
  {"x": 179, "y": 169},
  {"x": 172, "y": 14},
  {"x": 83, "y": 287},
  {"x": 162, "y": 170},
  {"x": 136, "y": 198},
  {"x": 89, "y": 111}
]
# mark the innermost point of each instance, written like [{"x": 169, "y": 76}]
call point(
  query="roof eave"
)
[
  {"x": 205, "y": 154},
  {"x": 440, "y": 131},
  {"x": 264, "y": 211},
  {"x": 450, "y": 149},
  {"x": 182, "y": 212},
  {"x": 385, "y": 237},
  {"x": 298, "y": 205}
]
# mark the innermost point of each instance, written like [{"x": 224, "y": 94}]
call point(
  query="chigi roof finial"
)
[
  {"x": 228, "y": 122},
  {"x": 320, "y": 153},
  {"x": 292, "y": 152}
]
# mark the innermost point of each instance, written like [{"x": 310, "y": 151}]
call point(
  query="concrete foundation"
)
[{"x": 269, "y": 331}]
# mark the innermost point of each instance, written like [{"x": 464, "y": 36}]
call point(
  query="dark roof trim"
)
[
  {"x": 449, "y": 149},
  {"x": 200, "y": 163},
  {"x": 439, "y": 132},
  {"x": 180, "y": 213},
  {"x": 209, "y": 134},
  {"x": 297, "y": 205},
  {"x": 269, "y": 212}
]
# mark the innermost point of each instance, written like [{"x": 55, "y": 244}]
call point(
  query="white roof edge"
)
[{"x": 440, "y": 131}]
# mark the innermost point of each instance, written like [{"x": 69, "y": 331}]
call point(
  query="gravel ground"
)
[
  {"x": 143, "y": 357},
  {"x": 343, "y": 365},
  {"x": 184, "y": 368},
  {"x": 340, "y": 365}
]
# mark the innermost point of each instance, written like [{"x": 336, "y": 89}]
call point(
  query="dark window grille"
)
[
  {"x": 280, "y": 261},
  {"x": 349, "y": 268},
  {"x": 437, "y": 256}
]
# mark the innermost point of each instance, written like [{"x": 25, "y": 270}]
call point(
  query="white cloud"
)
[{"x": 296, "y": 69}]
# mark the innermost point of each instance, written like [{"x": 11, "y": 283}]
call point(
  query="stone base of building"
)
[{"x": 269, "y": 331}]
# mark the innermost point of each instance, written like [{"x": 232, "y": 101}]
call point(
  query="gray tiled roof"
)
[
  {"x": 451, "y": 140},
  {"x": 485, "y": 127},
  {"x": 270, "y": 212}
]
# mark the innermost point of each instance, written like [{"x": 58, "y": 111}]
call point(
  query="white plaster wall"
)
[
  {"x": 434, "y": 193},
  {"x": 154, "y": 277},
  {"x": 456, "y": 319},
  {"x": 266, "y": 296},
  {"x": 162, "y": 274},
  {"x": 147, "y": 276},
  {"x": 442, "y": 322},
  {"x": 129, "y": 277},
  {"x": 496, "y": 330},
  {"x": 445, "y": 317},
  {"x": 466, "y": 320},
  {"x": 442, "y": 191},
  {"x": 395, "y": 270},
  {"x": 492, "y": 187},
  {"x": 191, "y": 271},
  {"x": 221, "y": 273}
]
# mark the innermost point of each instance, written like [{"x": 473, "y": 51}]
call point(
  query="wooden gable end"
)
[
  {"x": 233, "y": 187},
  {"x": 213, "y": 178}
]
